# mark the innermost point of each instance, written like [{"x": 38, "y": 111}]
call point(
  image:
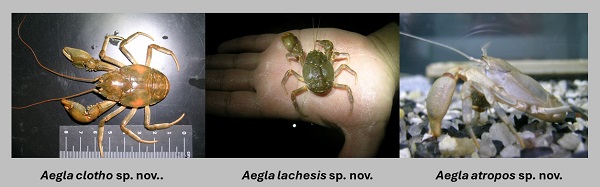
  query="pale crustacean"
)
[
  {"x": 131, "y": 86},
  {"x": 487, "y": 84}
]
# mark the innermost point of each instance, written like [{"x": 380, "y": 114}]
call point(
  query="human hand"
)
[{"x": 244, "y": 80}]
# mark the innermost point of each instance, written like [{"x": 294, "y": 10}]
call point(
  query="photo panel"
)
[
  {"x": 67, "y": 44},
  {"x": 252, "y": 80},
  {"x": 529, "y": 70}
]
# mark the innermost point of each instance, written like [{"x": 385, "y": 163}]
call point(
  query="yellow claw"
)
[
  {"x": 82, "y": 59},
  {"x": 89, "y": 114}
]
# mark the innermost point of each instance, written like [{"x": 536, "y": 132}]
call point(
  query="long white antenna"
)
[
  {"x": 317, "y": 32},
  {"x": 443, "y": 45}
]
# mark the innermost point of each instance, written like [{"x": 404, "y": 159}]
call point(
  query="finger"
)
[
  {"x": 229, "y": 80},
  {"x": 233, "y": 104},
  {"x": 252, "y": 43},
  {"x": 247, "y": 61}
]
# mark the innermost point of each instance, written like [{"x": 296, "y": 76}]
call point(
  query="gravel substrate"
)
[{"x": 542, "y": 139}]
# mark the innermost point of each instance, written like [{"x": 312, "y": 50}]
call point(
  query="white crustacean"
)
[{"x": 487, "y": 83}]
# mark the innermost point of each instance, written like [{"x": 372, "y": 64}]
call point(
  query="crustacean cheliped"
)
[
  {"x": 486, "y": 84},
  {"x": 131, "y": 86},
  {"x": 317, "y": 69}
]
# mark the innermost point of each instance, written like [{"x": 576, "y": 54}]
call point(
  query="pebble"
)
[
  {"x": 498, "y": 145},
  {"x": 405, "y": 153},
  {"x": 581, "y": 147},
  {"x": 415, "y": 130},
  {"x": 582, "y": 122},
  {"x": 402, "y": 131},
  {"x": 571, "y": 94},
  {"x": 415, "y": 95},
  {"x": 569, "y": 141},
  {"x": 419, "y": 108},
  {"x": 583, "y": 154},
  {"x": 582, "y": 86},
  {"x": 527, "y": 135},
  {"x": 456, "y": 147},
  {"x": 487, "y": 147},
  {"x": 403, "y": 95},
  {"x": 500, "y": 132},
  {"x": 559, "y": 152},
  {"x": 560, "y": 88},
  {"x": 448, "y": 124},
  {"x": 511, "y": 151},
  {"x": 536, "y": 152},
  {"x": 426, "y": 150},
  {"x": 542, "y": 139},
  {"x": 453, "y": 114},
  {"x": 483, "y": 117},
  {"x": 416, "y": 121}
]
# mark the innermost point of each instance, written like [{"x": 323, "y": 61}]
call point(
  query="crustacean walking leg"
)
[
  {"x": 132, "y": 86},
  {"x": 490, "y": 82},
  {"x": 317, "y": 69},
  {"x": 81, "y": 59}
]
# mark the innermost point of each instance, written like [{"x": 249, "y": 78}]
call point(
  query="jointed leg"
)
[
  {"x": 350, "y": 97},
  {"x": 101, "y": 127},
  {"x": 103, "y": 51},
  {"x": 339, "y": 56},
  {"x": 296, "y": 93},
  {"x": 347, "y": 68},
  {"x": 467, "y": 107},
  {"x": 491, "y": 99},
  {"x": 331, "y": 55},
  {"x": 157, "y": 126},
  {"x": 129, "y": 39},
  {"x": 129, "y": 132},
  {"x": 554, "y": 110},
  {"x": 293, "y": 57},
  {"x": 287, "y": 76},
  {"x": 508, "y": 123},
  {"x": 161, "y": 49}
]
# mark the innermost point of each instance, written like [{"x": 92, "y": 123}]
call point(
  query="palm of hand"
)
[{"x": 373, "y": 90}]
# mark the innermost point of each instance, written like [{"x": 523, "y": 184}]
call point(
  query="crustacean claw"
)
[
  {"x": 82, "y": 59},
  {"x": 317, "y": 69},
  {"x": 118, "y": 85},
  {"x": 86, "y": 114},
  {"x": 486, "y": 85},
  {"x": 293, "y": 46}
]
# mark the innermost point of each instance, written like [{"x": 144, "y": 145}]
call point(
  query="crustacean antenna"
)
[
  {"x": 55, "y": 99},
  {"x": 38, "y": 61},
  {"x": 445, "y": 46},
  {"x": 317, "y": 32},
  {"x": 69, "y": 77}
]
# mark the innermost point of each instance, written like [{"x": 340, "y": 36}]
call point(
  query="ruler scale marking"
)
[{"x": 175, "y": 135}]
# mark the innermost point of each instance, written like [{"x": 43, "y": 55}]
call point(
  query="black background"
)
[
  {"x": 241, "y": 138},
  {"x": 35, "y": 130}
]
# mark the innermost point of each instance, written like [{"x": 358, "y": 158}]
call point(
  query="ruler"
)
[{"x": 82, "y": 142}]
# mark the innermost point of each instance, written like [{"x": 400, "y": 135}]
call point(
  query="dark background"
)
[
  {"x": 242, "y": 138},
  {"x": 512, "y": 36},
  {"x": 35, "y": 130}
]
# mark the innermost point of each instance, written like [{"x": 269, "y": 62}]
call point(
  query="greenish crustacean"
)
[{"x": 317, "y": 69}]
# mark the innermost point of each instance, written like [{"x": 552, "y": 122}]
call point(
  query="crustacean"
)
[
  {"x": 317, "y": 69},
  {"x": 486, "y": 84},
  {"x": 132, "y": 86}
]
